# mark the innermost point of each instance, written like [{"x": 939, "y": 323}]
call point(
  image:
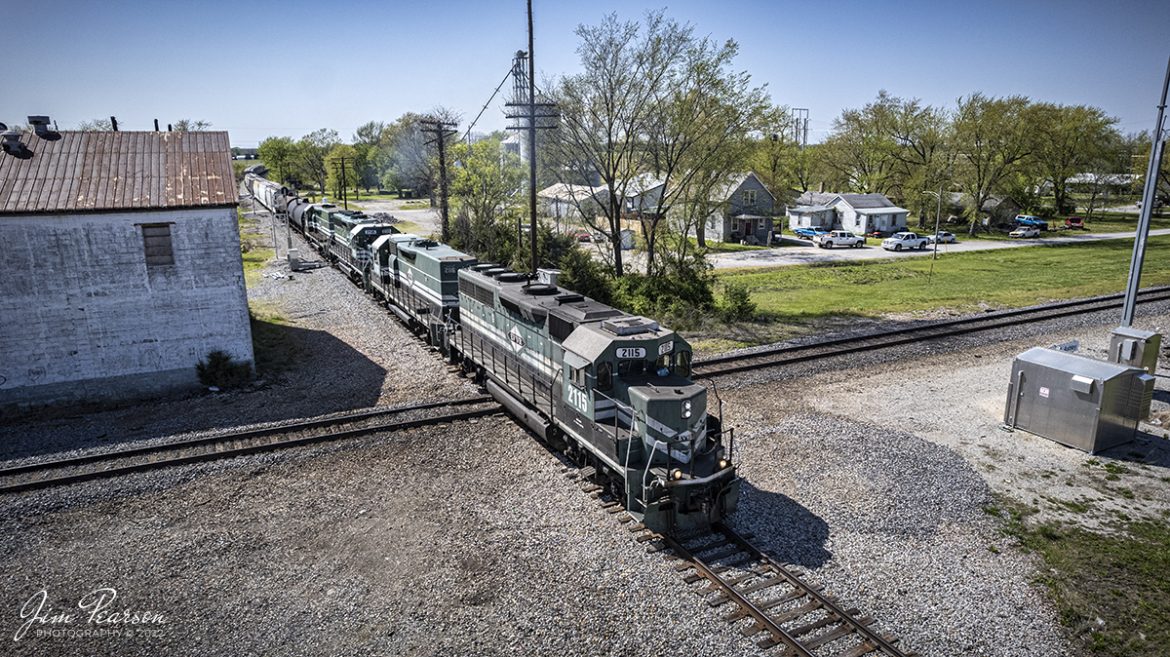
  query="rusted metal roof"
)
[{"x": 99, "y": 171}]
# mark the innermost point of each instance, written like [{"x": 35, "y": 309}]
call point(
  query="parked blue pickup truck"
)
[
  {"x": 809, "y": 232},
  {"x": 1029, "y": 220}
]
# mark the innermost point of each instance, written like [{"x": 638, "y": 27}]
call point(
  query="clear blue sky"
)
[{"x": 258, "y": 68}]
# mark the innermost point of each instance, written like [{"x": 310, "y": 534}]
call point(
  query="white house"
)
[
  {"x": 121, "y": 263},
  {"x": 566, "y": 201},
  {"x": 857, "y": 213}
]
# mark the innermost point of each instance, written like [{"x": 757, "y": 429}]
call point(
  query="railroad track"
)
[
  {"x": 768, "y": 600},
  {"x": 100, "y": 465},
  {"x": 791, "y": 354}
]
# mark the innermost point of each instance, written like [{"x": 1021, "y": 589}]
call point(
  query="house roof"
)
[
  {"x": 890, "y": 209},
  {"x": 569, "y": 192},
  {"x": 821, "y": 199},
  {"x": 643, "y": 183},
  {"x": 95, "y": 171},
  {"x": 724, "y": 193},
  {"x": 866, "y": 201}
]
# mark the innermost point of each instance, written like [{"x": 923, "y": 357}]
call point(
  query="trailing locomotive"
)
[{"x": 609, "y": 389}]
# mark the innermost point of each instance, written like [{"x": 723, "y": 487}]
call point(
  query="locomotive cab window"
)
[
  {"x": 577, "y": 376},
  {"x": 684, "y": 364},
  {"x": 631, "y": 367},
  {"x": 605, "y": 376}
]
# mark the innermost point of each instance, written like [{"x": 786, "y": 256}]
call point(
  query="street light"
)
[{"x": 937, "y": 216}]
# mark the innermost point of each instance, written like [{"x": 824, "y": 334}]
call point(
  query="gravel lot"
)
[
  {"x": 420, "y": 549},
  {"x": 875, "y": 476}
]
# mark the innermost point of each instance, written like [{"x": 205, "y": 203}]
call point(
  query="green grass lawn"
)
[
  {"x": 960, "y": 281},
  {"x": 1110, "y": 590},
  {"x": 726, "y": 247}
]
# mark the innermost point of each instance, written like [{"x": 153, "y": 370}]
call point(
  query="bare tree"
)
[
  {"x": 704, "y": 113},
  {"x": 189, "y": 125},
  {"x": 607, "y": 108}
]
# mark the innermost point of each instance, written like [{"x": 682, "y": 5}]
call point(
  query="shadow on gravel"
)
[
  {"x": 1145, "y": 448},
  {"x": 301, "y": 373},
  {"x": 783, "y": 528}
]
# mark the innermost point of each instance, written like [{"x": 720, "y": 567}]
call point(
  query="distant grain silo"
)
[{"x": 120, "y": 262}]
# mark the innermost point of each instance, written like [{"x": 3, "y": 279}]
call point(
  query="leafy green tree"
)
[
  {"x": 861, "y": 152},
  {"x": 1067, "y": 141},
  {"x": 339, "y": 154},
  {"x": 278, "y": 154},
  {"x": 992, "y": 141},
  {"x": 485, "y": 180},
  {"x": 312, "y": 152}
]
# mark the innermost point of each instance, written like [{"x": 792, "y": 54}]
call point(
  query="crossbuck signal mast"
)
[
  {"x": 528, "y": 114},
  {"x": 441, "y": 131}
]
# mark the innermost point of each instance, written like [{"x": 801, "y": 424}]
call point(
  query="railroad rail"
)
[
  {"x": 779, "y": 608},
  {"x": 771, "y": 601},
  {"x": 98, "y": 465},
  {"x": 791, "y": 354}
]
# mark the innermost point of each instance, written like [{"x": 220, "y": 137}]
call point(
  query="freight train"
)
[{"x": 610, "y": 390}]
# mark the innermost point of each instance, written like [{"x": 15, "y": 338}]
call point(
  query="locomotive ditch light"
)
[
  {"x": 676, "y": 474},
  {"x": 723, "y": 463}
]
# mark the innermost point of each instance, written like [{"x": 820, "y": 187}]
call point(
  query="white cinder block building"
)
[{"x": 120, "y": 267}]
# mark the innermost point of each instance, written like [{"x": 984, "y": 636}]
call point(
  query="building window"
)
[
  {"x": 749, "y": 197},
  {"x": 156, "y": 242}
]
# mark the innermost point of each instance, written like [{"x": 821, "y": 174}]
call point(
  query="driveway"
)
[
  {"x": 428, "y": 218},
  {"x": 806, "y": 253}
]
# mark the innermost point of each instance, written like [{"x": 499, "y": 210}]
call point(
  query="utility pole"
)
[
  {"x": 1148, "y": 195},
  {"x": 341, "y": 182},
  {"x": 441, "y": 131},
  {"x": 525, "y": 96}
]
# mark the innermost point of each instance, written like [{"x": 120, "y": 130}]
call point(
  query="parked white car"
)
[
  {"x": 943, "y": 238},
  {"x": 904, "y": 242},
  {"x": 1025, "y": 232},
  {"x": 838, "y": 238}
]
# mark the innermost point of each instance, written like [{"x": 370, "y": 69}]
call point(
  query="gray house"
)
[{"x": 745, "y": 213}]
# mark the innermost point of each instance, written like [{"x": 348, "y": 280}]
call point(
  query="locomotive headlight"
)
[
  {"x": 687, "y": 409},
  {"x": 723, "y": 463},
  {"x": 676, "y": 474}
]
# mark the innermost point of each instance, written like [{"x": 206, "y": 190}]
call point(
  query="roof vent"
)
[
  {"x": 484, "y": 266},
  {"x": 41, "y": 125},
  {"x": 10, "y": 142},
  {"x": 629, "y": 325},
  {"x": 540, "y": 289}
]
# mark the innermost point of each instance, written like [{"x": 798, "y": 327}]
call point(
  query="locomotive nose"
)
[{"x": 671, "y": 416}]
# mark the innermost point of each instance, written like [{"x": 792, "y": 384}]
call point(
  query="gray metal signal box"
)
[
  {"x": 1088, "y": 404},
  {"x": 1130, "y": 346}
]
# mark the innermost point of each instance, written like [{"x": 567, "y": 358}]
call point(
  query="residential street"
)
[{"x": 806, "y": 253}]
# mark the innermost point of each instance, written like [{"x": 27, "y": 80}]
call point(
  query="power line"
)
[{"x": 467, "y": 136}]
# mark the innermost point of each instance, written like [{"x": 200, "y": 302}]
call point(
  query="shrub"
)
[
  {"x": 222, "y": 371},
  {"x": 737, "y": 304}
]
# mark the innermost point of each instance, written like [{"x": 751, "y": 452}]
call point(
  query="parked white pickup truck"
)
[
  {"x": 838, "y": 238},
  {"x": 904, "y": 241}
]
